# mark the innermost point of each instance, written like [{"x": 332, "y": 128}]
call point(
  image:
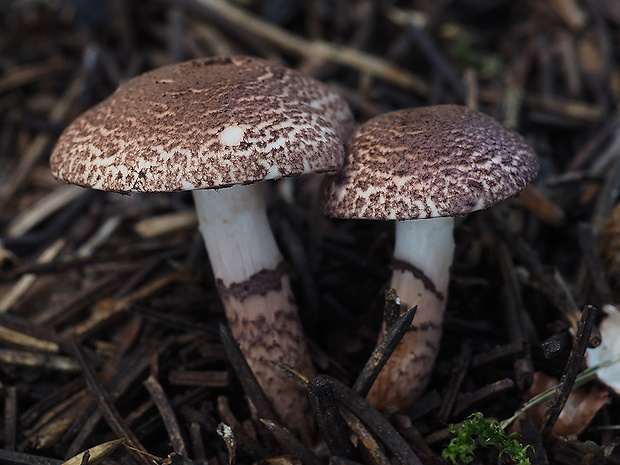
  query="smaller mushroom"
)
[
  {"x": 216, "y": 126},
  {"x": 422, "y": 167}
]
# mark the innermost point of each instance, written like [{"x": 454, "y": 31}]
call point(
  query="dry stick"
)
[
  {"x": 423, "y": 406},
  {"x": 572, "y": 109},
  {"x": 413, "y": 436},
  {"x": 595, "y": 143},
  {"x": 167, "y": 414},
  {"x": 382, "y": 352},
  {"x": 469, "y": 399},
  {"x": 33, "y": 72},
  {"x": 228, "y": 435},
  {"x": 542, "y": 207},
  {"x": 593, "y": 263},
  {"x": 250, "y": 385},
  {"x": 74, "y": 261},
  {"x": 570, "y": 371},
  {"x": 430, "y": 50},
  {"x": 56, "y": 226},
  {"x": 133, "y": 366},
  {"x": 243, "y": 438},
  {"x": 26, "y": 281},
  {"x": 372, "y": 418},
  {"x": 19, "y": 458},
  {"x": 329, "y": 419},
  {"x": 10, "y": 417},
  {"x": 365, "y": 63},
  {"x": 367, "y": 444},
  {"x": 341, "y": 461},
  {"x": 51, "y": 362},
  {"x": 43, "y": 209},
  {"x": 172, "y": 321},
  {"x": 107, "y": 408},
  {"x": 391, "y": 308},
  {"x": 208, "y": 378},
  {"x": 95, "y": 454},
  {"x": 590, "y": 451},
  {"x": 550, "y": 285},
  {"x": 46, "y": 403},
  {"x": 23, "y": 340},
  {"x": 459, "y": 370},
  {"x": 56, "y": 315},
  {"x": 108, "y": 312},
  {"x": 298, "y": 256},
  {"x": 291, "y": 444},
  {"x": 36, "y": 149},
  {"x": 198, "y": 446},
  {"x": 608, "y": 196},
  {"x": 511, "y": 349},
  {"x": 53, "y": 421},
  {"x": 514, "y": 313}
]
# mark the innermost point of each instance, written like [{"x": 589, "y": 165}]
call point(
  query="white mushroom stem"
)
[
  {"x": 256, "y": 293},
  {"x": 423, "y": 254}
]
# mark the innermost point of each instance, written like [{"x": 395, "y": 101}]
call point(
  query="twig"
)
[
  {"x": 167, "y": 414},
  {"x": 591, "y": 259},
  {"x": 459, "y": 370},
  {"x": 582, "y": 378},
  {"x": 570, "y": 371},
  {"x": 18, "y": 458},
  {"x": 469, "y": 399},
  {"x": 376, "y": 422},
  {"x": 515, "y": 316},
  {"x": 550, "y": 284},
  {"x": 244, "y": 373},
  {"x": 291, "y": 444},
  {"x": 36, "y": 148},
  {"x": 363, "y": 62},
  {"x": 368, "y": 445},
  {"x": 382, "y": 352},
  {"x": 42, "y": 209},
  {"x": 28, "y": 359},
  {"x": 10, "y": 417},
  {"x": 107, "y": 408},
  {"x": 95, "y": 454},
  {"x": 26, "y": 281},
  {"x": 431, "y": 51},
  {"x": 329, "y": 419}
]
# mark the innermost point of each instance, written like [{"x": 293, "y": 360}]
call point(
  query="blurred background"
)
[{"x": 100, "y": 269}]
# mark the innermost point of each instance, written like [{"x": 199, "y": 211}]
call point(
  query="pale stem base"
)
[
  {"x": 428, "y": 246},
  {"x": 264, "y": 321}
]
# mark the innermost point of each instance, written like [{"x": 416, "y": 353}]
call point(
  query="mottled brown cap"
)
[
  {"x": 205, "y": 123},
  {"x": 428, "y": 162}
]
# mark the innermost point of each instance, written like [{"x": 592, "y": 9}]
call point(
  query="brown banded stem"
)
[
  {"x": 423, "y": 253},
  {"x": 256, "y": 293}
]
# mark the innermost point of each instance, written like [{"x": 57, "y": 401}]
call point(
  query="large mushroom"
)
[
  {"x": 422, "y": 167},
  {"x": 206, "y": 125}
]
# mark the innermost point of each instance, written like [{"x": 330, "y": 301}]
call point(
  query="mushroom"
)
[
  {"x": 217, "y": 126},
  {"x": 422, "y": 167}
]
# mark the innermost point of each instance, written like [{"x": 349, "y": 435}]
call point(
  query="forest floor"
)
[{"x": 109, "y": 317}]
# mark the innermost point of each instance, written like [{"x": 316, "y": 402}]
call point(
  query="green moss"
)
[{"x": 477, "y": 432}]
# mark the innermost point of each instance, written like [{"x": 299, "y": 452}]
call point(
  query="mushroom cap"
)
[
  {"x": 428, "y": 162},
  {"x": 205, "y": 123}
]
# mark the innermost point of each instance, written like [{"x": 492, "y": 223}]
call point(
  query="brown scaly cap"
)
[
  {"x": 428, "y": 162},
  {"x": 205, "y": 123}
]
